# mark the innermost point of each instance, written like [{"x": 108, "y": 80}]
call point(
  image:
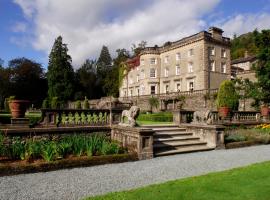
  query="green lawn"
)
[{"x": 247, "y": 183}]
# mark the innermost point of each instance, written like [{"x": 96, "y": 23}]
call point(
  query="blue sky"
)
[{"x": 28, "y": 28}]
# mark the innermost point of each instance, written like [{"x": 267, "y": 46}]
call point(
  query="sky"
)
[{"x": 29, "y": 27}]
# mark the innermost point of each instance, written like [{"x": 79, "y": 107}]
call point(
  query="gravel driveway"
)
[{"x": 81, "y": 182}]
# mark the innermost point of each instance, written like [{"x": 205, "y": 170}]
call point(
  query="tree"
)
[
  {"x": 136, "y": 49},
  {"x": 262, "y": 68},
  {"x": 5, "y": 85},
  {"x": 227, "y": 95},
  {"x": 85, "y": 81},
  {"x": 153, "y": 102},
  {"x": 60, "y": 72}
]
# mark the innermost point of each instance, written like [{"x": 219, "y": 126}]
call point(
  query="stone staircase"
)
[{"x": 171, "y": 139}]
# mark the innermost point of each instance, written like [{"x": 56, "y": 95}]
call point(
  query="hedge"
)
[{"x": 156, "y": 117}]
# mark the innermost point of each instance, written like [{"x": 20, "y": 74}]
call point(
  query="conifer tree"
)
[{"x": 60, "y": 72}]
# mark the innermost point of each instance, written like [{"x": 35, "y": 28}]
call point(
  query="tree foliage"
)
[
  {"x": 227, "y": 95},
  {"x": 262, "y": 68},
  {"x": 60, "y": 72}
]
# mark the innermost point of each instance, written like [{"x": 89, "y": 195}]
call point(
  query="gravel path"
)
[{"x": 81, "y": 182}]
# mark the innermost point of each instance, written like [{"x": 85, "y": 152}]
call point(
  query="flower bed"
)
[
  {"x": 240, "y": 137},
  {"x": 41, "y": 154}
]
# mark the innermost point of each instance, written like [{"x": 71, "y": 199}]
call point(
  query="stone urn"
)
[
  {"x": 18, "y": 108},
  {"x": 223, "y": 111},
  {"x": 264, "y": 110}
]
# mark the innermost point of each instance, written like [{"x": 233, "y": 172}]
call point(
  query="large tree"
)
[
  {"x": 263, "y": 66},
  {"x": 86, "y": 81},
  {"x": 60, "y": 72}
]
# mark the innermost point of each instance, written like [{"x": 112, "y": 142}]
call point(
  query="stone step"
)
[
  {"x": 160, "y": 126},
  {"x": 175, "y": 138},
  {"x": 176, "y": 144},
  {"x": 168, "y": 129},
  {"x": 187, "y": 149},
  {"x": 171, "y": 134}
]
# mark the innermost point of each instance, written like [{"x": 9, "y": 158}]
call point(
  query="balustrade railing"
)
[{"x": 75, "y": 117}]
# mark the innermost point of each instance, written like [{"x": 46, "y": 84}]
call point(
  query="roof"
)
[{"x": 243, "y": 60}]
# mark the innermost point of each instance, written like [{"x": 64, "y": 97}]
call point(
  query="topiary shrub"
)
[
  {"x": 85, "y": 104},
  {"x": 78, "y": 105},
  {"x": 55, "y": 103},
  {"x": 45, "y": 104},
  {"x": 227, "y": 95},
  {"x": 153, "y": 102}
]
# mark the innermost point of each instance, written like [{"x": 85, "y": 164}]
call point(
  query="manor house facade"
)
[{"x": 197, "y": 62}]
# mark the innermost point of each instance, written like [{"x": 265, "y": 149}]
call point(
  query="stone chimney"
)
[{"x": 216, "y": 33}]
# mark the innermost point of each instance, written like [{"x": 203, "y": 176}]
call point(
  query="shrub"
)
[
  {"x": 45, "y": 104},
  {"x": 86, "y": 104},
  {"x": 227, "y": 96},
  {"x": 153, "y": 102},
  {"x": 235, "y": 138},
  {"x": 33, "y": 149},
  {"x": 2, "y": 147},
  {"x": 78, "y": 105},
  {"x": 78, "y": 145},
  {"x": 16, "y": 149},
  {"x": 156, "y": 117},
  {"x": 55, "y": 103}
]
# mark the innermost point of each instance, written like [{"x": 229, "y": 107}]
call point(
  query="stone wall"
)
[{"x": 137, "y": 140}]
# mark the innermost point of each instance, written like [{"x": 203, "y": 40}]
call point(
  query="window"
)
[
  {"x": 142, "y": 74},
  {"x": 153, "y": 89},
  {"x": 125, "y": 93},
  {"x": 142, "y": 89},
  {"x": 190, "y": 52},
  {"x": 166, "y": 72},
  {"x": 131, "y": 92},
  {"x": 131, "y": 80},
  {"x": 190, "y": 67},
  {"x": 212, "y": 51},
  {"x": 138, "y": 91},
  {"x": 223, "y": 53},
  {"x": 177, "y": 70},
  {"x": 142, "y": 61},
  {"x": 138, "y": 77},
  {"x": 178, "y": 56},
  {"x": 212, "y": 66},
  {"x": 166, "y": 89},
  {"x": 153, "y": 61},
  {"x": 152, "y": 73},
  {"x": 178, "y": 87},
  {"x": 166, "y": 59},
  {"x": 190, "y": 85},
  {"x": 223, "y": 67}
]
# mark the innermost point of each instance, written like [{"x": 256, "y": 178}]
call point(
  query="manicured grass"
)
[
  {"x": 152, "y": 123},
  {"x": 247, "y": 183}
]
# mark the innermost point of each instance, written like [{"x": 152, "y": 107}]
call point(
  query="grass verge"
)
[{"x": 247, "y": 183}]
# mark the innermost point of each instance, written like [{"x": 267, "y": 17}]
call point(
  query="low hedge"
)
[{"x": 156, "y": 117}]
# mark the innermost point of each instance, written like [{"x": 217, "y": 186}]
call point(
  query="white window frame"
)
[
  {"x": 189, "y": 84},
  {"x": 177, "y": 70},
  {"x": 223, "y": 53},
  {"x": 178, "y": 56},
  {"x": 212, "y": 66},
  {"x": 138, "y": 77},
  {"x": 152, "y": 72},
  {"x": 190, "y": 67},
  {"x": 166, "y": 72},
  {"x": 142, "y": 90},
  {"x": 142, "y": 62},
  {"x": 166, "y": 59},
  {"x": 151, "y": 89},
  {"x": 223, "y": 68},
  {"x": 212, "y": 51},
  {"x": 177, "y": 89},
  {"x": 190, "y": 52},
  {"x": 153, "y": 61},
  {"x": 142, "y": 74},
  {"x": 166, "y": 88}
]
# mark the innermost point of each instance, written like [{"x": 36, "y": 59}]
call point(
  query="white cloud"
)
[
  {"x": 243, "y": 23},
  {"x": 19, "y": 27},
  {"x": 88, "y": 24}
]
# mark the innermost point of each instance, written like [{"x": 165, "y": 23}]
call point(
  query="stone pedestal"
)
[{"x": 19, "y": 121}]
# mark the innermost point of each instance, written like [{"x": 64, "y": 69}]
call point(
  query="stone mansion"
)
[{"x": 198, "y": 62}]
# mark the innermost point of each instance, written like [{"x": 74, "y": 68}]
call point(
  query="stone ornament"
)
[
  {"x": 202, "y": 117},
  {"x": 131, "y": 115}
]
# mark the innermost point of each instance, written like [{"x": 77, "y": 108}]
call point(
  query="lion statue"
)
[
  {"x": 203, "y": 117},
  {"x": 131, "y": 115}
]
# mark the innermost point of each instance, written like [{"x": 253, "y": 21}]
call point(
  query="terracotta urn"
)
[
  {"x": 18, "y": 108},
  {"x": 224, "y": 111},
  {"x": 264, "y": 110}
]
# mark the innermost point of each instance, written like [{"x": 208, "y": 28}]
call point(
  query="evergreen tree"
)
[
  {"x": 262, "y": 68},
  {"x": 60, "y": 72}
]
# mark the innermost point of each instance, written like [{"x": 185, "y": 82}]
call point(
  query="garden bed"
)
[{"x": 19, "y": 167}]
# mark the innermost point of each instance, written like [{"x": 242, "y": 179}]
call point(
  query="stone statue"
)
[
  {"x": 202, "y": 117},
  {"x": 131, "y": 115}
]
